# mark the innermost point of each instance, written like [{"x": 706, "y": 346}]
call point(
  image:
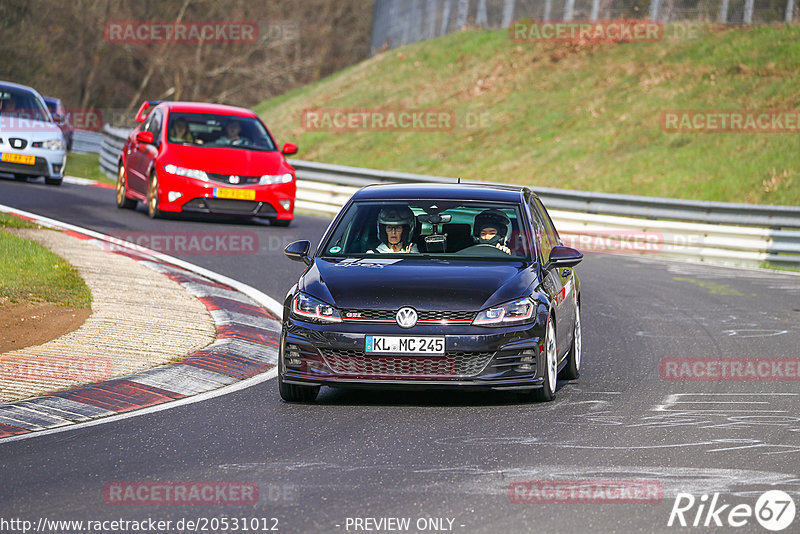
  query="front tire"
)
[
  {"x": 572, "y": 370},
  {"x": 152, "y": 197},
  {"x": 548, "y": 390},
  {"x": 295, "y": 393},
  {"x": 123, "y": 202}
]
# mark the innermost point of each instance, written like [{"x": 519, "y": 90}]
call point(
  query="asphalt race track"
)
[{"x": 452, "y": 456}]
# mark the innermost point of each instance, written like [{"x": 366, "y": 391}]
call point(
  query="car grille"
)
[
  {"x": 226, "y": 178},
  {"x": 38, "y": 168},
  {"x": 423, "y": 316},
  {"x": 225, "y": 205},
  {"x": 452, "y": 364}
]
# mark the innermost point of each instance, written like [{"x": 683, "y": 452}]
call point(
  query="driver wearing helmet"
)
[
  {"x": 395, "y": 230},
  {"x": 491, "y": 227}
]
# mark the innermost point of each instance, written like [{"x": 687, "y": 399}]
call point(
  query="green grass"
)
[
  {"x": 86, "y": 166},
  {"x": 30, "y": 272},
  {"x": 10, "y": 221},
  {"x": 578, "y": 116}
]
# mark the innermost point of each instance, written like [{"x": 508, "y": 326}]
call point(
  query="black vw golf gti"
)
[{"x": 433, "y": 286}]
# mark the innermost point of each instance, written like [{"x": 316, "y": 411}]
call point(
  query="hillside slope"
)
[{"x": 579, "y": 116}]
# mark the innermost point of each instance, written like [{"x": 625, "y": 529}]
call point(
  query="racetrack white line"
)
[{"x": 258, "y": 296}]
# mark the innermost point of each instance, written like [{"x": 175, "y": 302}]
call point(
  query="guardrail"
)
[
  {"x": 714, "y": 232},
  {"x": 84, "y": 141}
]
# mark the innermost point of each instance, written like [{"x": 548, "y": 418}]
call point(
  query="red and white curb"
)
[{"x": 246, "y": 349}]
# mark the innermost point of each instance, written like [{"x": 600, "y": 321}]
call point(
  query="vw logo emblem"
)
[
  {"x": 233, "y": 179},
  {"x": 406, "y": 317},
  {"x": 16, "y": 143}
]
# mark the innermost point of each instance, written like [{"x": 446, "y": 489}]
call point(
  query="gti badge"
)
[
  {"x": 233, "y": 179},
  {"x": 406, "y": 317}
]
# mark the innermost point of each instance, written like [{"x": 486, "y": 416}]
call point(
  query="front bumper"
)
[
  {"x": 48, "y": 163},
  {"x": 475, "y": 357},
  {"x": 200, "y": 197}
]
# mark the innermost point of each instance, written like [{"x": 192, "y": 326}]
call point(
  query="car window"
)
[
  {"x": 455, "y": 229},
  {"x": 543, "y": 237},
  {"x": 219, "y": 130},
  {"x": 154, "y": 124},
  {"x": 22, "y": 104}
]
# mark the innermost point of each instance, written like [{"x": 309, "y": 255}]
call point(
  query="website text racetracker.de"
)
[{"x": 199, "y": 524}]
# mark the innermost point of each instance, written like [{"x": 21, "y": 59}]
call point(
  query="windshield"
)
[
  {"x": 218, "y": 131},
  {"x": 23, "y": 105},
  {"x": 430, "y": 228}
]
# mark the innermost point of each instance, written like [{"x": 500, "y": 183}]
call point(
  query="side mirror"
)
[
  {"x": 561, "y": 256},
  {"x": 289, "y": 149},
  {"x": 298, "y": 251},
  {"x": 145, "y": 137}
]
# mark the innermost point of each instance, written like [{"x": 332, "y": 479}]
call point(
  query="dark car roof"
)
[
  {"x": 202, "y": 107},
  {"x": 50, "y": 99},
  {"x": 12, "y": 85},
  {"x": 487, "y": 192}
]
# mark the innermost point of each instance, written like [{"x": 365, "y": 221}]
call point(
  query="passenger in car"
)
[
  {"x": 180, "y": 132},
  {"x": 490, "y": 229},
  {"x": 395, "y": 230}
]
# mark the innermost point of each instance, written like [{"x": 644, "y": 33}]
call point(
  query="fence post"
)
[
  {"x": 508, "y": 13},
  {"x": 655, "y": 9},
  {"x": 595, "y": 10},
  {"x": 787, "y": 18},
  {"x": 748, "y": 11},
  {"x": 461, "y": 18},
  {"x": 723, "y": 12},
  {"x": 569, "y": 9},
  {"x": 548, "y": 9}
]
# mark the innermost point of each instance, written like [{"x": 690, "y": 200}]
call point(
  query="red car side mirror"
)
[
  {"x": 289, "y": 149},
  {"x": 145, "y": 137}
]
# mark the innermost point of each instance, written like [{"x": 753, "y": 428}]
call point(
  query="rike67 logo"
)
[{"x": 774, "y": 510}]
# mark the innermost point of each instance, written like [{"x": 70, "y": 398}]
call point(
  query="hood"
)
[
  {"x": 29, "y": 129},
  {"x": 222, "y": 160},
  {"x": 427, "y": 284}
]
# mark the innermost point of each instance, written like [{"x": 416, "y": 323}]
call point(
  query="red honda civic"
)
[{"x": 188, "y": 157}]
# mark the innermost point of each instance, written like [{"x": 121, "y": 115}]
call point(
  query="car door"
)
[
  {"x": 556, "y": 280},
  {"x": 142, "y": 155}
]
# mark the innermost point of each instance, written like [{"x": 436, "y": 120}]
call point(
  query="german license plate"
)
[
  {"x": 18, "y": 158},
  {"x": 404, "y": 345},
  {"x": 238, "y": 194}
]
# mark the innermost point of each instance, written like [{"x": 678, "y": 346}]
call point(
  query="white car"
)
[{"x": 31, "y": 142}]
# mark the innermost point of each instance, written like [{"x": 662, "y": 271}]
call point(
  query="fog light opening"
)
[
  {"x": 285, "y": 204},
  {"x": 172, "y": 196},
  {"x": 292, "y": 356},
  {"x": 527, "y": 360}
]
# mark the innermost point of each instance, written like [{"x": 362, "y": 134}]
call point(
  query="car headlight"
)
[
  {"x": 50, "y": 144},
  {"x": 189, "y": 173},
  {"x": 276, "y": 179},
  {"x": 518, "y": 311},
  {"x": 314, "y": 310}
]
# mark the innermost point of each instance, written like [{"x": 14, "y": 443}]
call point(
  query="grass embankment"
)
[
  {"x": 31, "y": 273},
  {"x": 86, "y": 166},
  {"x": 571, "y": 116}
]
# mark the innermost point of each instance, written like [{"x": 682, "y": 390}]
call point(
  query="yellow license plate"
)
[
  {"x": 238, "y": 194},
  {"x": 18, "y": 158}
]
